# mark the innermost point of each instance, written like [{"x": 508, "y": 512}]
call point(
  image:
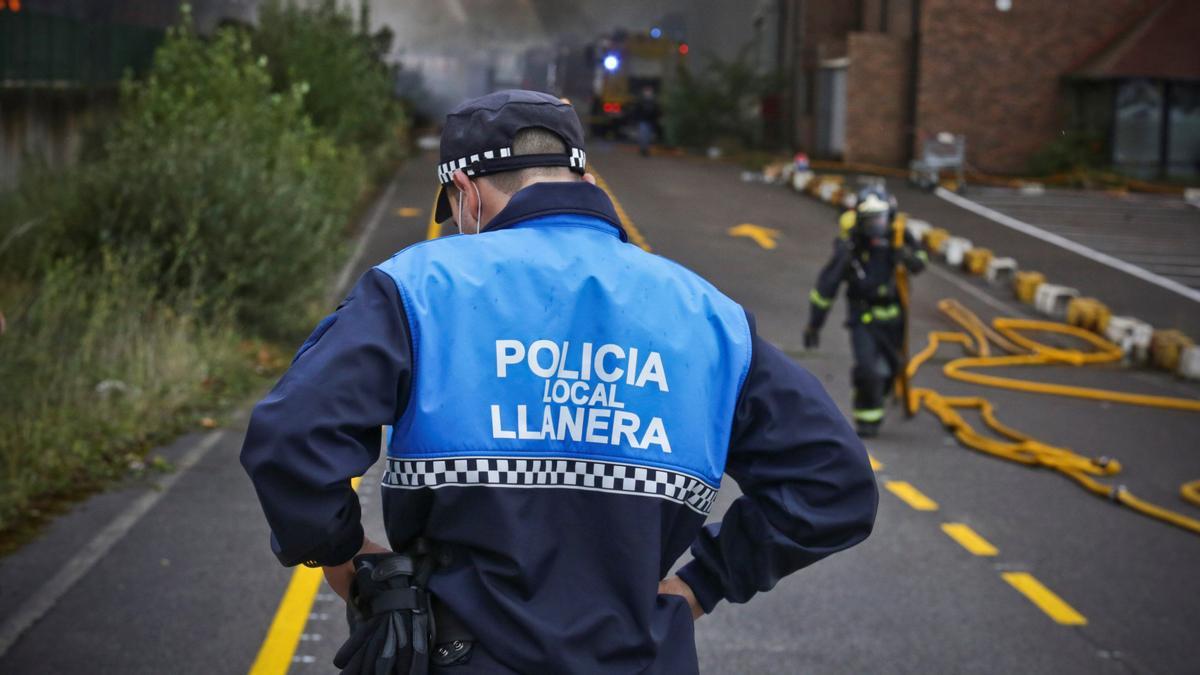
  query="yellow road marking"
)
[
  {"x": 763, "y": 236},
  {"x": 876, "y": 465},
  {"x": 275, "y": 655},
  {"x": 408, "y": 211},
  {"x": 969, "y": 539},
  {"x": 1044, "y": 598},
  {"x": 911, "y": 495},
  {"x": 434, "y": 229},
  {"x": 635, "y": 235}
]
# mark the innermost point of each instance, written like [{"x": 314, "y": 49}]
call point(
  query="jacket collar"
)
[{"x": 544, "y": 199}]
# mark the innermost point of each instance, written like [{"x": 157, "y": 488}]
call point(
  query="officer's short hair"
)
[{"x": 531, "y": 141}]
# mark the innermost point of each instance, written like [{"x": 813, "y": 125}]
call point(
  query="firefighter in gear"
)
[{"x": 870, "y": 246}]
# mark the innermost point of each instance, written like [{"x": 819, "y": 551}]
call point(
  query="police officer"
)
[
  {"x": 563, "y": 406},
  {"x": 865, "y": 256}
]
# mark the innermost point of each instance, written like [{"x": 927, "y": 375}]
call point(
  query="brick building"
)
[{"x": 871, "y": 78}]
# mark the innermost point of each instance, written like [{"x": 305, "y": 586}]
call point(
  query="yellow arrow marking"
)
[
  {"x": 408, "y": 211},
  {"x": 763, "y": 236}
]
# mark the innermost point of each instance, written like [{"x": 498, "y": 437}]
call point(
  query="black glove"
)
[
  {"x": 812, "y": 338},
  {"x": 389, "y": 619},
  {"x": 913, "y": 261}
]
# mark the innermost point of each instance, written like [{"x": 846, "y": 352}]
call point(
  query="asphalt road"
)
[{"x": 191, "y": 586}]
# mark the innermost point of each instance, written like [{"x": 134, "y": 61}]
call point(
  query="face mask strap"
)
[{"x": 478, "y": 212}]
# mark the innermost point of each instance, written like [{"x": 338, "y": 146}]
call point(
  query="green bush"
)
[
  {"x": 224, "y": 190},
  {"x": 213, "y": 209},
  {"x": 350, "y": 87},
  {"x": 1074, "y": 151},
  {"x": 718, "y": 105}
]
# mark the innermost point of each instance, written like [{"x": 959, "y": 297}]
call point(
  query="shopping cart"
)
[{"x": 944, "y": 152}]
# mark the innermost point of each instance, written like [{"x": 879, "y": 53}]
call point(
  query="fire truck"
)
[{"x": 622, "y": 65}]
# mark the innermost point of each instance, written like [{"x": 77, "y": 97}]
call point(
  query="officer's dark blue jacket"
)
[{"x": 562, "y": 407}]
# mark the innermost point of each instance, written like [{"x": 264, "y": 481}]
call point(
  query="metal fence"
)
[{"x": 41, "y": 49}]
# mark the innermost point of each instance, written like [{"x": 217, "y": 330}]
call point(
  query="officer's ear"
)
[
  {"x": 589, "y": 179},
  {"x": 461, "y": 181},
  {"x": 462, "y": 185}
]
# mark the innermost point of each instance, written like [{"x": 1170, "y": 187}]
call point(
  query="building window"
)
[
  {"x": 1137, "y": 129},
  {"x": 1183, "y": 155}
]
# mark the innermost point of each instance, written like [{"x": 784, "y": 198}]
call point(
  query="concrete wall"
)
[
  {"x": 997, "y": 76},
  {"x": 877, "y": 98},
  {"x": 46, "y": 127}
]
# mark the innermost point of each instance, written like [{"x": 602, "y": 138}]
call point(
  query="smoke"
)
[{"x": 463, "y": 48}]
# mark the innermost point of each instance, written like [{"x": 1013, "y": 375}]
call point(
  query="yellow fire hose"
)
[{"x": 1008, "y": 334}]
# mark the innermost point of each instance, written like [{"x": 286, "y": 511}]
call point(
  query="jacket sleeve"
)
[
  {"x": 807, "y": 485},
  {"x": 828, "y": 281},
  {"x": 321, "y": 424}
]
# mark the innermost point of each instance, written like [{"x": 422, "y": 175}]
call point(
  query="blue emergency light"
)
[
  {"x": 656, "y": 32},
  {"x": 611, "y": 62}
]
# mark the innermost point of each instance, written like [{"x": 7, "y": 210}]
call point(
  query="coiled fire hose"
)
[{"x": 1009, "y": 334}]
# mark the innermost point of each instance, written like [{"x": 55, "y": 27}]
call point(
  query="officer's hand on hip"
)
[
  {"x": 812, "y": 338},
  {"x": 677, "y": 586},
  {"x": 339, "y": 577}
]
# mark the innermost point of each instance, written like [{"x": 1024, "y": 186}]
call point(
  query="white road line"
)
[
  {"x": 973, "y": 291},
  {"x": 44, "y": 598},
  {"x": 343, "y": 280},
  {"x": 1062, "y": 242}
]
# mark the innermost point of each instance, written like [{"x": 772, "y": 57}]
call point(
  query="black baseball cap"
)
[{"x": 479, "y": 133}]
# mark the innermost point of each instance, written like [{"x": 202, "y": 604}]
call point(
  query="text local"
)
[{"x": 604, "y": 420}]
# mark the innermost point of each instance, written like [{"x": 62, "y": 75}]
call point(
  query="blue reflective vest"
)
[{"x": 552, "y": 354}]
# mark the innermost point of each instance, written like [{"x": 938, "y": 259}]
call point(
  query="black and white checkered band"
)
[
  {"x": 576, "y": 160},
  {"x": 551, "y": 472}
]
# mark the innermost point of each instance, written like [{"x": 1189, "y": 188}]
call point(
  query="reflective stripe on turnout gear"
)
[
  {"x": 819, "y": 300},
  {"x": 881, "y": 313},
  {"x": 868, "y": 415}
]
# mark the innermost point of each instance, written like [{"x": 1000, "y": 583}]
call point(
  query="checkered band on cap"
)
[
  {"x": 577, "y": 159},
  {"x": 552, "y": 472}
]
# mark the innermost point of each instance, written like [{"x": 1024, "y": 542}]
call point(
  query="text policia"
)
[{"x": 580, "y": 393}]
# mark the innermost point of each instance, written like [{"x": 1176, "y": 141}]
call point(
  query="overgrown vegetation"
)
[
  {"x": 718, "y": 105},
  {"x": 151, "y": 287},
  {"x": 341, "y": 62},
  {"x": 1072, "y": 152}
]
